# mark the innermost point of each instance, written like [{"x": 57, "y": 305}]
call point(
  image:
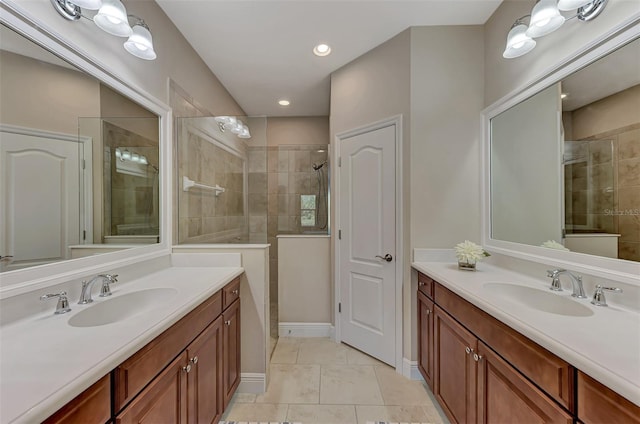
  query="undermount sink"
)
[
  {"x": 545, "y": 301},
  {"x": 121, "y": 307}
]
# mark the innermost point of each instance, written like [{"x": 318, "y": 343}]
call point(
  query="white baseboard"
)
[
  {"x": 306, "y": 329},
  {"x": 252, "y": 383},
  {"x": 410, "y": 370}
]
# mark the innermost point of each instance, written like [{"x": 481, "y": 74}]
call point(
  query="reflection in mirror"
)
[
  {"x": 62, "y": 195},
  {"x": 565, "y": 163}
]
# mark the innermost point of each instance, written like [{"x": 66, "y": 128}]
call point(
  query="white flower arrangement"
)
[
  {"x": 469, "y": 252},
  {"x": 552, "y": 244}
]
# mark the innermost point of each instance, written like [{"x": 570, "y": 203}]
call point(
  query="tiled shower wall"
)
[
  {"x": 611, "y": 175},
  {"x": 203, "y": 216}
]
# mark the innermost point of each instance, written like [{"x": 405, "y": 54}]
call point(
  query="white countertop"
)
[
  {"x": 45, "y": 362},
  {"x": 605, "y": 345}
]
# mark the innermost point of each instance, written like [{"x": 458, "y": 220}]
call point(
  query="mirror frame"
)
[
  {"x": 20, "y": 281},
  {"x": 608, "y": 268}
]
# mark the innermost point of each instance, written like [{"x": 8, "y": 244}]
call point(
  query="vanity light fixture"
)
[
  {"x": 518, "y": 42},
  {"x": 233, "y": 124},
  {"x": 322, "y": 50},
  {"x": 544, "y": 19},
  {"x": 284, "y": 102},
  {"x": 112, "y": 18}
]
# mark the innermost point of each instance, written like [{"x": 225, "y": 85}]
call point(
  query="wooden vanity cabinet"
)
[
  {"x": 483, "y": 371},
  {"x": 598, "y": 404},
  {"x": 231, "y": 351},
  {"x": 425, "y": 331},
  {"x": 91, "y": 406},
  {"x": 505, "y": 395},
  {"x": 186, "y": 375},
  {"x": 455, "y": 369}
]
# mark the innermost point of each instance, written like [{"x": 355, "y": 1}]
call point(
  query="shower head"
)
[{"x": 317, "y": 166}]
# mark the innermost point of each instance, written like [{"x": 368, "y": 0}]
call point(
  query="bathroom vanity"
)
[
  {"x": 519, "y": 353},
  {"x": 176, "y": 356}
]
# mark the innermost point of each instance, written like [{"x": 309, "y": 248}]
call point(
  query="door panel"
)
[
  {"x": 40, "y": 210},
  {"x": 368, "y": 224}
]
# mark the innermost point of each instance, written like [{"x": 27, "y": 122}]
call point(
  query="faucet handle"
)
[
  {"x": 598, "y": 296},
  {"x": 107, "y": 280},
  {"x": 555, "y": 283},
  {"x": 63, "y": 303}
]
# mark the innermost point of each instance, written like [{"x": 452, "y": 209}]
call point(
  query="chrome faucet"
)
[
  {"x": 576, "y": 281},
  {"x": 107, "y": 279}
]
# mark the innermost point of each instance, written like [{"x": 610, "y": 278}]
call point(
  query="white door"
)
[
  {"x": 368, "y": 233},
  {"x": 39, "y": 198}
]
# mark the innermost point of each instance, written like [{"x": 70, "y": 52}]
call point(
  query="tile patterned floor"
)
[{"x": 316, "y": 381}]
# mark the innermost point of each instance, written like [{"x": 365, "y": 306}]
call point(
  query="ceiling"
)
[{"x": 261, "y": 50}]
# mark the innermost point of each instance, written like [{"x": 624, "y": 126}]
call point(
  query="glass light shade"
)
[
  {"x": 230, "y": 122},
  {"x": 112, "y": 18},
  {"x": 88, "y": 4},
  {"x": 545, "y": 18},
  {"x": 143, "y": 160},
  {"x": 140, "y": 44},
  {"x": 126, "y": 155},
  {"x": 118, "y": 153},
  {"x": 566, "y": 5},
  {"x": 518, "y": 43}
]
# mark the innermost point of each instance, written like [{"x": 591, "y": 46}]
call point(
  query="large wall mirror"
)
[
  {"x": 80, "y": 162},
  {"x": 565, "y": 162}
]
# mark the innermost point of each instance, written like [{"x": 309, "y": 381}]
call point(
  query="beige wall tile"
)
[
  {"x": 629, "y": 144},
  {"x": 629, "y": 227},
  {"x": 629, "y": 251},
  {"x": 629, "y": 172}
]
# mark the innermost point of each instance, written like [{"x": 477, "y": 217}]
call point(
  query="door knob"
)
[{"x": 386, "y": 257}]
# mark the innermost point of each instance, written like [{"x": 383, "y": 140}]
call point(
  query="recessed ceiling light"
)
[
  {"x": 284, "y": 102},
  {"x": 322, "y": 50}
]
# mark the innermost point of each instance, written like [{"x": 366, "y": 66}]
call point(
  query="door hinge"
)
[
  {"x": 339, "y": 161},
  {"x": 84, "y": 234},
  {"x": 339, "y": 234},
  {"x": 339, "y": 307}
]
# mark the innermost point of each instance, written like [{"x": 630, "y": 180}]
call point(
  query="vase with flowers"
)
[{"x": 468, "y": 254}]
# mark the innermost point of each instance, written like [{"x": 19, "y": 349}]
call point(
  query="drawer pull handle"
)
[
  {"x": 194, "y": 360},
  {"x": 477, "y": 357},
  {"x": 236, "y": 291},
  {"x": 187, "y": 369},
  {"x": 228, "y": 323}
]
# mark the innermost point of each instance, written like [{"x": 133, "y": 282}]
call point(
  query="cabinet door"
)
[
  {"x": 455, "y": 369},
  {"x": 203, "y": 381},
  {"x": 597, "y": 404},
  {"x": 506, "y": 396},
  {"x": 425, "y": 338},
  {"x": 231, "y": 350},
  {"x": 164, "y": 400},
  {"x": 91, "y": 406}
]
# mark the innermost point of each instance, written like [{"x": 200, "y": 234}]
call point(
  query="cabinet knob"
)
[
  {"x": 187, "y": 368},
  {"x": 194, "y": 360},
  {"x": 228, "y": 323},
  {"x": 236, "y": 291},
  {"x": 428, "y": 311},
  {"x": 421, "y": 283},
  {"x": 477, "y": 357},
  {"x": 468, "y": 350}
]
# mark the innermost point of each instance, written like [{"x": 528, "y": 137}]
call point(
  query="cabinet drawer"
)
[
  {"x": 425, "y": 285},
  {"x": 599, "y": 404},
  {"x": 550, "y": 373},
  {"x": 91, "y": 406},
  {"x": 137, "y": 371},
  {"x": 230, "y": 292}
]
